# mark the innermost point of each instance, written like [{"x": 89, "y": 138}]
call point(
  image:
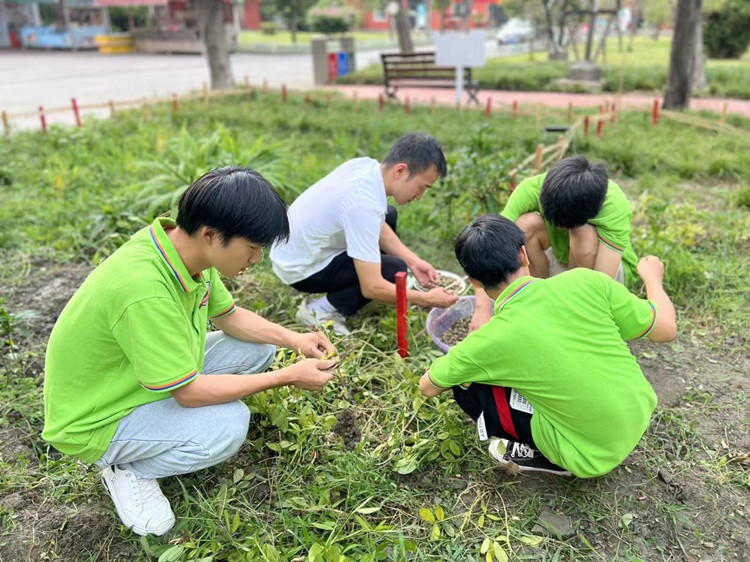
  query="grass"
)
[
  {"x": 417, "y": 486},
  {"x": 645, "y": 69}
]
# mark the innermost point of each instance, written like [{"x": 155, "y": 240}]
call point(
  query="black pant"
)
[
  {"x": 500, "y": 419},
  {"x": 339, "y": 278}
]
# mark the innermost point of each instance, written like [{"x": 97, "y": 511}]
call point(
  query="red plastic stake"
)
[
  {"x": 655, "y": 113},
  {"x": 174, "y": 103},
  {"x": 586, "y": 125},
  {"x": 74, "y": 103},
  {"x": 284, "y": 94},
  {"x": 488, "y": 108},
  {"x": 381, "y": 102},
  {"x": 515, "y": 108},
  {"x": 513, "y": 182},
  {"x": 614, "y": 113},
  {"x": 401, "y": 312},
  {"x": 407, "y": 106},
  {"x": 308, "y": 101},
  {"x": 599, "y": 128},
  {"x": 43, "y": 119}
]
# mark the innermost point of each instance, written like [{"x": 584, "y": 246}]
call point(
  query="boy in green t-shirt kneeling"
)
[
  {"x": 135, "y": 385},
  {"x": 550, "y": 372},
  {"x": 573, "y": 216}
]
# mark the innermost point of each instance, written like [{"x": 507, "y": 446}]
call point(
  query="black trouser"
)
[
  {"x": 500, "y": 419},
  {"x": 339, "y": 278}
]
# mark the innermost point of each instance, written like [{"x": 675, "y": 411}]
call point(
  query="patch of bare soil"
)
[{"x": 348, "y": 428}]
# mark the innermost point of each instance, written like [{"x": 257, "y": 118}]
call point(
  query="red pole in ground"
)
[
  {"x": 43, "y": 119},
  {"x": 599, "y": 128},
  {"x": 307, "y": 100},
  {"x": 401, "y": 311},
  {"x": 174, "y": 103},
  {"x": 655, "y": 113},
  {"x": 515, "y": 108},
  {"x": 512, "y": 182},
  {"x": 284, "y": 95},
  {"x": 381, "y": 102},
  {"x": 407, "y": 106},
  {"x": 488, "y": 109},
  {"x": 614, "y": 112},
  {"x": 586, "y": 125},
  {"x": 75, "y": 111}
]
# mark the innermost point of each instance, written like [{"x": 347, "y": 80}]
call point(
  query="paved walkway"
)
[{"x": 551, "y": 99}]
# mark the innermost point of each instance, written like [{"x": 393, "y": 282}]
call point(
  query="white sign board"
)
[{"x": 460, "y": 48}]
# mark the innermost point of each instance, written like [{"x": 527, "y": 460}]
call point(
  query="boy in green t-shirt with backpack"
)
[{"x": 551, "y": 372}]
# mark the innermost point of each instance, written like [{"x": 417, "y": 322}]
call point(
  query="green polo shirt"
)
[
  {"x": 612, "y": 223},
  {"x": 134, "y": 331},
  {"x": 560, "y": 342}
]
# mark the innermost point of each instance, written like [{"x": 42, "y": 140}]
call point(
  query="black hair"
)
[
  {"x": 236, "y": 202},
  {"x": 573, "y": 192},
  {"x": 418, "y": 151},
  {"x": 488, "y": 249}
]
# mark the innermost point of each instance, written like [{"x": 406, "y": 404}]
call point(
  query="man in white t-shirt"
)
[{"x": 343, "y": 238}]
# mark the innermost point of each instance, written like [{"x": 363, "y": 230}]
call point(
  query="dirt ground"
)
[{"x": 695, "y": 460}]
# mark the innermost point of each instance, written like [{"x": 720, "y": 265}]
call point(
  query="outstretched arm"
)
[{"x": 651, "y": 270}]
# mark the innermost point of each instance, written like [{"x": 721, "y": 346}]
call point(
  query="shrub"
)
[
  {"x": 268, "y": 27},
  {"x": 331, "y": 18},
  {"x": 726, "y": 33}
]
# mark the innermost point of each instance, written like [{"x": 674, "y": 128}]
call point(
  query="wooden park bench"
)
[{"x": 418, "y": 70}]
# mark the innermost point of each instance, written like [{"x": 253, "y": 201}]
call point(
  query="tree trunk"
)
[
  {"x": 635, "y": 15},
  {"x": 700, "y": 83},
  {"x": 403, "y": 30},
  {"x": 681, "y": 60},
  {"x": 213, "y": 35},
  {"x": 293, "y": 26}
]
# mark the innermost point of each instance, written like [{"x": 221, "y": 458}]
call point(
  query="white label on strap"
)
[
  {"x": 482, "y": 428},
  {"x": 518, "y": 402}
]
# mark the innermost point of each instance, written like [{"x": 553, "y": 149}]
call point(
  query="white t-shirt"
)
[{"x": 343, "y": 212}]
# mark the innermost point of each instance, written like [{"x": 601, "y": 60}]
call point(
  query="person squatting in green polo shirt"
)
[
  {"x": 551, "y": 373},
  {"x": 135, "y": 385},
  {"x": 572, "y": 216}
]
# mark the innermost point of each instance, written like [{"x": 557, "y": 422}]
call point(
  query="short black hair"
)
[
  {"x": 236, "y": 202},
  {"x": 573, "y": 192},
  {"x": 419, "y": 151},
  {"x": 488, "y": 249}
]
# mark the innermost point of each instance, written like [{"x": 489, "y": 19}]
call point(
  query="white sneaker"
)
[
  {"x": 515, "y": 457},
  {"x": 138, "y": 501},
  {"x": 317, "y": 318}
]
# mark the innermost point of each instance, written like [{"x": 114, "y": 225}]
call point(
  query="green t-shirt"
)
[
  {"x": 612, "y": 223},
  {"x": 560, "y": 342},
  {"x": 134, "y": 330}
]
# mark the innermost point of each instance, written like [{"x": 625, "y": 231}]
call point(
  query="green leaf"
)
[
  {"x": 531, "y": 541},
  {"x": 626, "y": 520},
  {"x": 367, "y": 510},
  {"x": 499, "y": 552},
  {"x": 480, "y": 521},
  {"x": 172, "y": 554},
  {"x": 439, "y": 513},
  {"x": 435, "y": 534},
  {"x": 427, "y": 515},
  {"x": 238, "y": 475},
  {"x": 485, "y": 545}
]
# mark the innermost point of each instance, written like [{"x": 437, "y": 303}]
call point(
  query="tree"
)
[
  {"x": 403, "y": 30},
  {"x": 682, "y": 57},
  {"x": 293, "y": 11},
  {"x": 213, "y": 34}
]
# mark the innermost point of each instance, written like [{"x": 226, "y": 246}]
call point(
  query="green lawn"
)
[
  {"x": 414, "y": 484},
  {"x": 645, "y": 69}
]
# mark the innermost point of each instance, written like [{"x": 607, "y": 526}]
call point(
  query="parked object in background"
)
[{"x": 515, "y": 30}]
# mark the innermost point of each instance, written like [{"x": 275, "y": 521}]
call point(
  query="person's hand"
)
[
  {"x": 479, "y": 319},
  {"x": 312, "y": 374},
  {"x": 426, "y": 275},
  {"x": 312, "y": 344},
  {"x": 440, "y": 298},
  {"x": 650, "y": 268}
]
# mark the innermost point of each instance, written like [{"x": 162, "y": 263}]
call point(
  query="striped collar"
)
[
  {"x": 512, "y": 290},
  {"x": 167, "y": 251}
]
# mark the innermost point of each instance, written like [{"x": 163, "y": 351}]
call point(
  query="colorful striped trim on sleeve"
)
[
  {"x": 433, "y": 383},
  {"x": 227, "y": 312},
  {"x": 610, "y": 245},
  {"x": 653, "y": 321},
  {"x": 173, "y": 384}
]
